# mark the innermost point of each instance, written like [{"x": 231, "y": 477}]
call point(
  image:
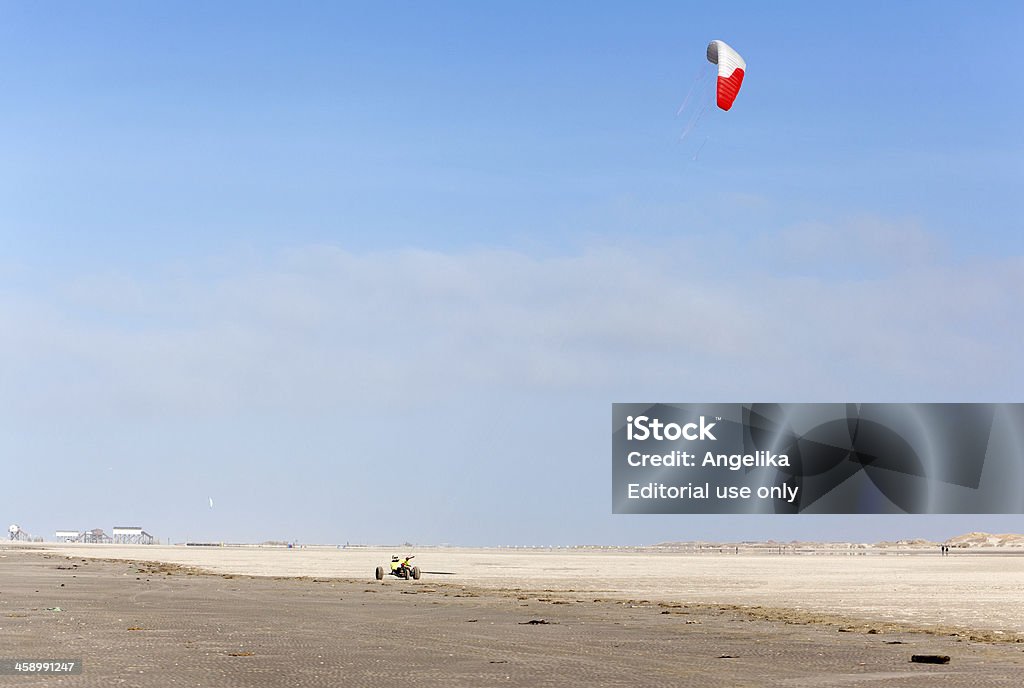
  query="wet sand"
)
[{"x": 136, "y": 624}]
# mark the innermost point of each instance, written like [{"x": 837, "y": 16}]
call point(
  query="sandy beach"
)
[
  {"x": 918, "y": 589},
  {"x": 139, "y": 624}
]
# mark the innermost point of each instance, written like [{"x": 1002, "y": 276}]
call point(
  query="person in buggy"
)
[{"x": 400, "y": 568}]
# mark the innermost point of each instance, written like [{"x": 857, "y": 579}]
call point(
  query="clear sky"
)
[{"x": 377, "y": 273}]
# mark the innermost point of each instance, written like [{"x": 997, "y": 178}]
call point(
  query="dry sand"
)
[{"x": 163, "y": 625}]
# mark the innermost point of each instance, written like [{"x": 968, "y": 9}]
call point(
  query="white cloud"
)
[
  {"x": 322, "y": 327},
  {"x": 862, "y": 244}
]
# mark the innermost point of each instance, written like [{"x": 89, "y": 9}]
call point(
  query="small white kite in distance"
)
[{"x": 211, "y": 502}]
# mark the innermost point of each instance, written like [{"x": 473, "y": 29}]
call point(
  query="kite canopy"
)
[{"x": 731, "y": 68}]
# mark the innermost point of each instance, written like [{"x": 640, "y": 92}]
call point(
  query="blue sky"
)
[{"x": 269, "y": 252}]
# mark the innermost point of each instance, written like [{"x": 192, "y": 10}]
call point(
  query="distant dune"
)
[
  {"x": 966, "y": 541},
  {"x": 986, "y": 540}
]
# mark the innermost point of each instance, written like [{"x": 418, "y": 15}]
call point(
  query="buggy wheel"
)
[
  {"x": 380, "y": 573},
  {"x": 405, "y": 573},
  {"x": 416, "y": 572}
]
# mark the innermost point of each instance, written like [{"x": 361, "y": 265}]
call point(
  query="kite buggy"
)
[{"x": 401, "y": 568}]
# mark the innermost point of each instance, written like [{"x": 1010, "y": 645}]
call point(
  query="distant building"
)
[
  {"x": 132, "y": 535},
  {"x": 95, "y": 535},
  {"x": 68, "y": 536}
]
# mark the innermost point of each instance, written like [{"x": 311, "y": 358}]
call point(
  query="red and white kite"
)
[{"x": 731, "y": 68}]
